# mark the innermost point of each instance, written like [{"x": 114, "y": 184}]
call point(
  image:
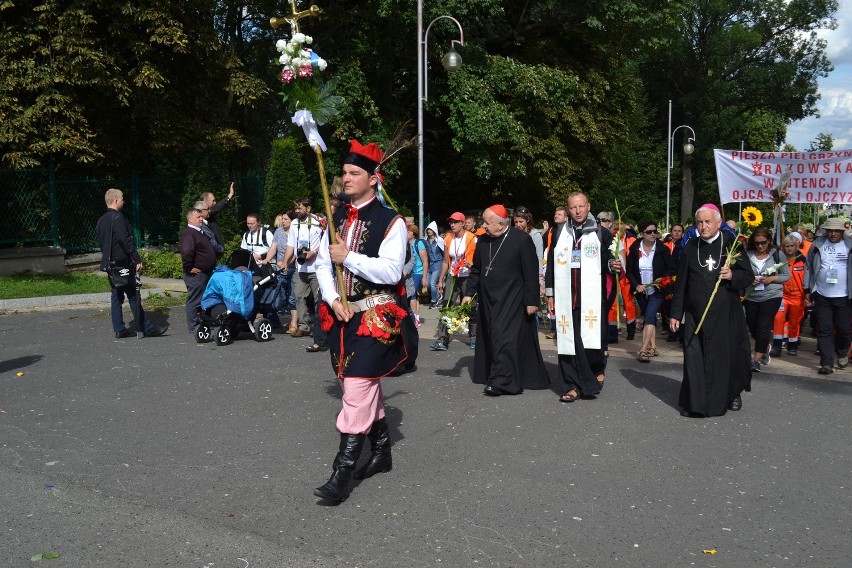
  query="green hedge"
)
[{"x": 161, "y": 264}]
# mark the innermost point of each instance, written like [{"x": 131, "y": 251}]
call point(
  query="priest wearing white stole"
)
[{"x": 580, "y": 289}]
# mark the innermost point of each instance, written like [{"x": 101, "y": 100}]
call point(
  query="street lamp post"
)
[
  {"x": 688, "y": 148},
  {"x": 452, "y": 61}
]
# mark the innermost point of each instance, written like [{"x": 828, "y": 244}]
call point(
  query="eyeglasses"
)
[
  {"x": 761, "y": 243},
  {"x": 651, "y": 232},
  {"x": 604, "y": 220}
]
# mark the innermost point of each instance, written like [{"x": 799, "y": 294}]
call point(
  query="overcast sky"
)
[{"x": 835, "y": 106}]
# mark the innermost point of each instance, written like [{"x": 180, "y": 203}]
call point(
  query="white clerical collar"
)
[
  {"x": 708, "y": 241},
  {"x": 194, "y": 227}
]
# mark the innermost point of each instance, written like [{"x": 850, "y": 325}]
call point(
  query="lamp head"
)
[
  {"x": 688, "y": 148},
  {"x": 452, "y": 61}
]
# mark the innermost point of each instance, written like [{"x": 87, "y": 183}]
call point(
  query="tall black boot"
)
[
  {"x": 631, "y": 330},
  {"x": 339, "y": 485},
  {"x": 380, "y": 460}
]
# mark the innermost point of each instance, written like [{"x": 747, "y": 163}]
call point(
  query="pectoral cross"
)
[
  {"x": 711, "y": 264},
  {"x": 591, "y": 318},
  {"x": 487, "y": 269},
  {"x": 564, "y": 324}
]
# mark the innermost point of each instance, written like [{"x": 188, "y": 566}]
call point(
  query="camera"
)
[{"x": 301, "y": 254}]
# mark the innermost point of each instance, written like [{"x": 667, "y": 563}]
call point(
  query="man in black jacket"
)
[{"x": 117, "y": 247}]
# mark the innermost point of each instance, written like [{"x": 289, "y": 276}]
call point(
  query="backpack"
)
[{"x": 263, "y": 231}]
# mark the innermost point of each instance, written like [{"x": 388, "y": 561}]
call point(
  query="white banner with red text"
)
[{"x": 811, "y": 177}]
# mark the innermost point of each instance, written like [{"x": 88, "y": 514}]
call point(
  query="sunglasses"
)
[
  {"x": 521, "y": 210},
  {"x": 604, "y": 220},
  {"x": 761, "y": 243},
  {"x": 651, "y": 232}
]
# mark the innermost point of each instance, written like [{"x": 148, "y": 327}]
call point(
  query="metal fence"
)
[{"x": 43, "y": 210}]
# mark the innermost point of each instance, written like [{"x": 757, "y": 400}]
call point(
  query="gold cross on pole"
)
[
  {"x": 564, "y": 324},
  {"x": 591, "y": 318},
  {"x": 295, "y": 16}
]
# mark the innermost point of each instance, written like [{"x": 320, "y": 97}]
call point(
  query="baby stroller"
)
[{"x": 233, "y": 299}]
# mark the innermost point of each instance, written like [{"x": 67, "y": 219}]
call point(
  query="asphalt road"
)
[{"x": 161, "y": 452}]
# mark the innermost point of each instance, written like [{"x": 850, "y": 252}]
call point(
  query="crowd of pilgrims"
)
[
  {"x": 442, "y": 270},
  {"x": 776, "y": 306}
]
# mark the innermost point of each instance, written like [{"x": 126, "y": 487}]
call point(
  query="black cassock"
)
[
  {"x": 504, "y": 276},
  {"x": 717, "y": 361}
]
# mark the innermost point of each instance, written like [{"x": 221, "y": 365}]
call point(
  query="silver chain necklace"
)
[{"x": 491, "y": 257}]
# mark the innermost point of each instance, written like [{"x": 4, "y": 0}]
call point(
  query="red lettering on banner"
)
[
  {"x": 813, "y": 168},
  {"x": 747, "y": 194},
  {"x": 815, "y": 183},
  {"x": 753, "y": 155}
]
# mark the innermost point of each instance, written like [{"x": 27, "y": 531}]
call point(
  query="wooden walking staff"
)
[
  {"x": 619, "y": 234},
  {"x": 332, "y": 233}
]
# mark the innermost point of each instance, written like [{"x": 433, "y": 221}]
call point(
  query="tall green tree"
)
[
  {"x": 125, "y": 84},
  {"x": 737, "y": 70},
  {"x": 286, "y": 180}
]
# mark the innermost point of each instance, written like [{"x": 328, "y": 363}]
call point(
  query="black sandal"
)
[{"x": 568, "y": 397}]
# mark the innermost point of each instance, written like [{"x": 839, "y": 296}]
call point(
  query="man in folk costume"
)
[
  {"x": 580, "y": 289},
  {"x": 364, "y": 338},
  {"x": 504, "y": 276},
  {"x": 716, "y": 360}
]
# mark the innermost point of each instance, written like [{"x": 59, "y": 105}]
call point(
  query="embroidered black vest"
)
[{"x": 367, "y": 233}]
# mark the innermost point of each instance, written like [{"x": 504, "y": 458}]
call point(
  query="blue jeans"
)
[
  {"x": 650, "y": 305},
  {"x": 116, "y": 301},
  {"x": 434, "y": 275}
]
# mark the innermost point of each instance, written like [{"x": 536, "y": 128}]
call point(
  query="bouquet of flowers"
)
[
  {"x": 311, "y": 100},
  {"x": 456, "y": 318},
  {"x": 771, "y": 270},
  {"x": 660, "y": 283}
]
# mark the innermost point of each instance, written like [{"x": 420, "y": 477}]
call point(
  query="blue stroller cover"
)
[{"x": 234, "y": 288}]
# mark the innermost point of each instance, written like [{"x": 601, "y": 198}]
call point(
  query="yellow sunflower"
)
[{"x": 752, "y": 216}]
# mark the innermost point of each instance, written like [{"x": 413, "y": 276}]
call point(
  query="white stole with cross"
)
[{"x": 590, "y": 284}]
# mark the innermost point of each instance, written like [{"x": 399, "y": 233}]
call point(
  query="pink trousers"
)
[{"x": 363, "y": 404}]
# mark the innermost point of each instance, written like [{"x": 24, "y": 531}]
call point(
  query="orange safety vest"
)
[
  {"x": 469, "y": 249},
  {"x": 794, "y": 288}
]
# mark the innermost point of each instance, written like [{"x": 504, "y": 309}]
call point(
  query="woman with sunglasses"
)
[
  {"x": 648, "y": 260},
  {"x": 762, "y": 302}
]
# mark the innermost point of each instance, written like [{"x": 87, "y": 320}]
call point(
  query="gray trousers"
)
[
  {"x": 195, "y": 285},
  {"x": 306, "y": 286}
]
